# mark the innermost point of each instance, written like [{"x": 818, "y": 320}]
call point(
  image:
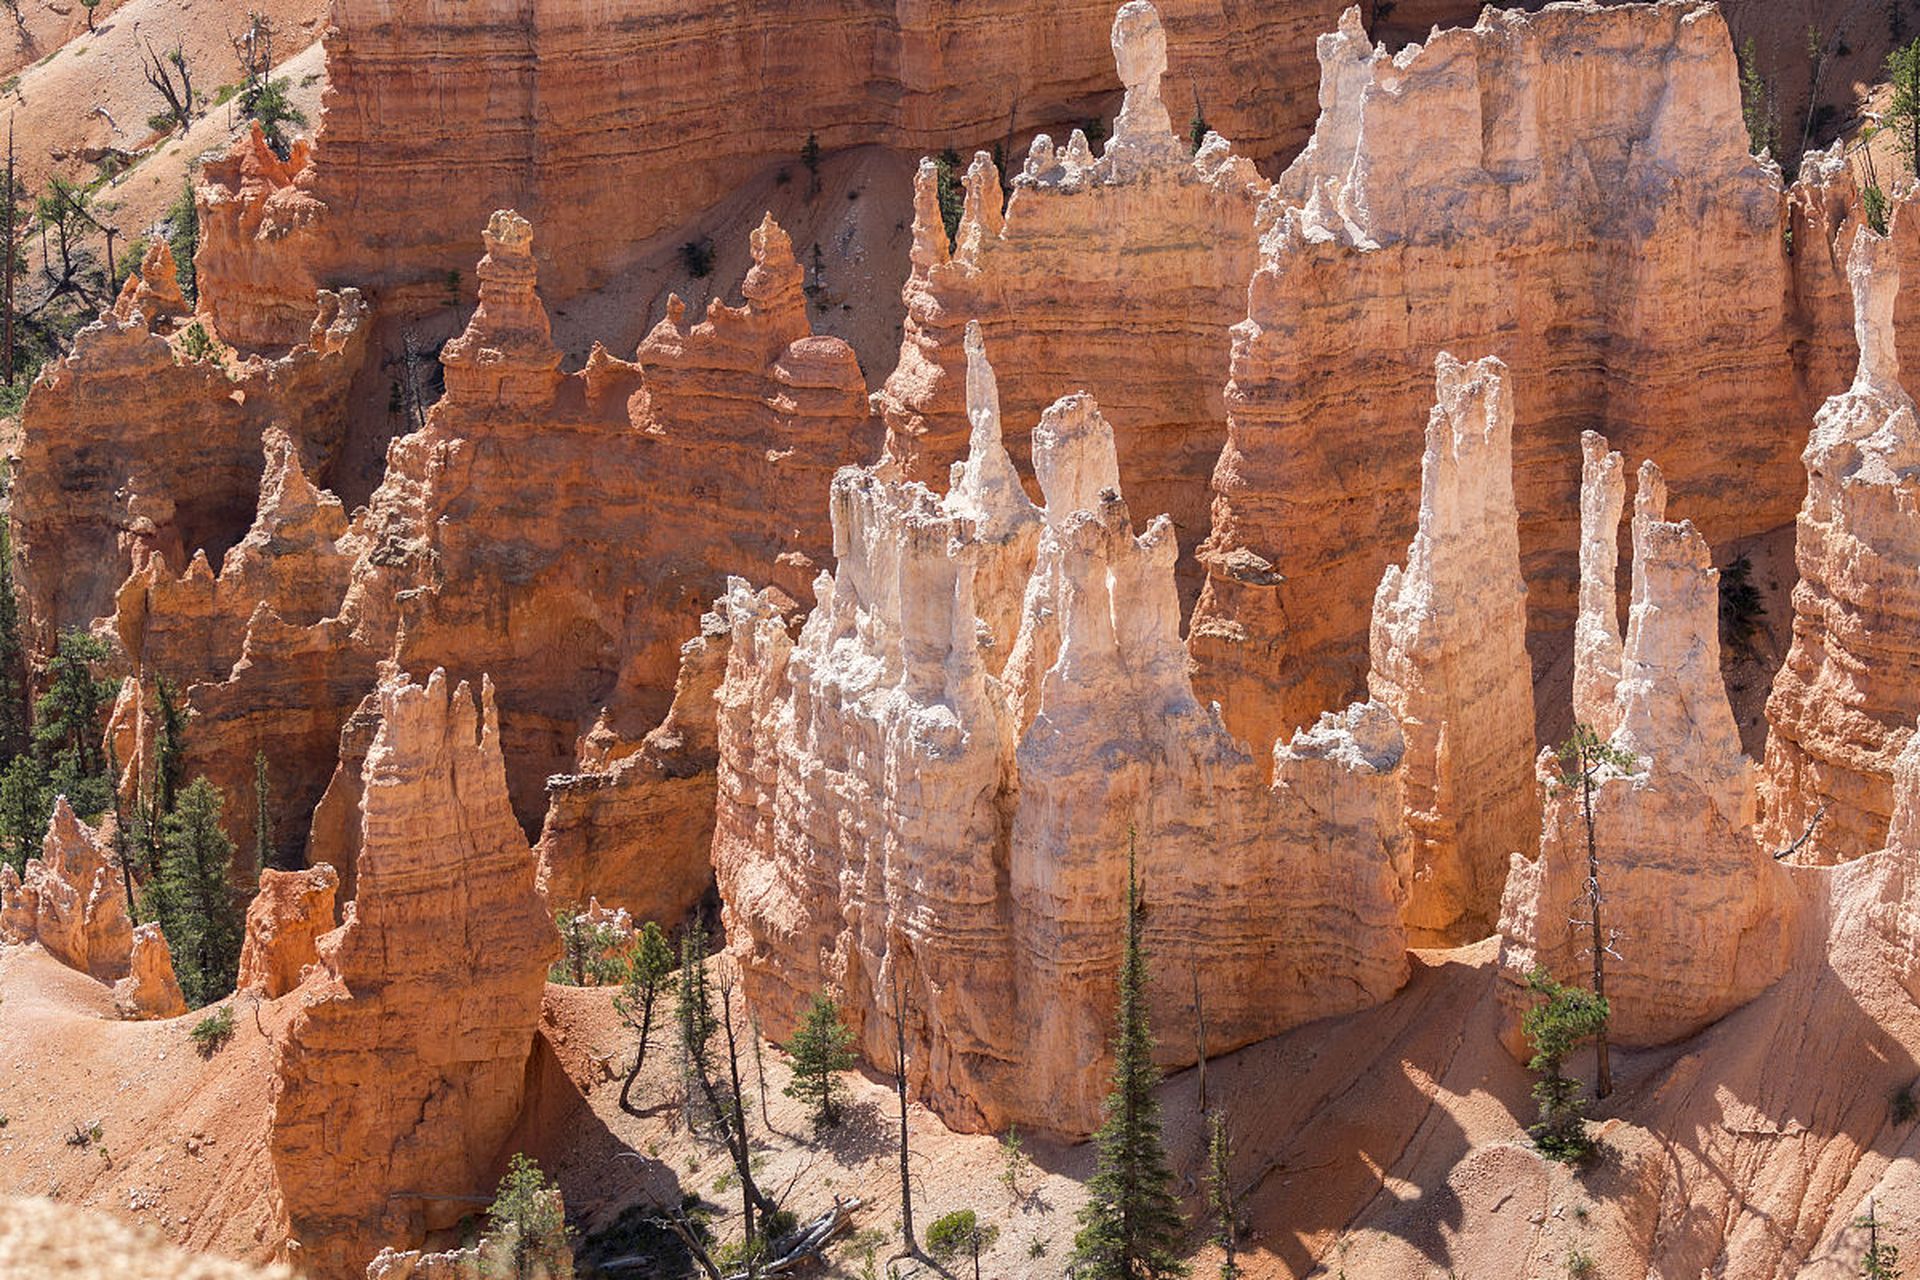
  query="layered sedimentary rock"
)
[
  {"x": 1844, "y": 703},
  {"x": 542, "y": 105},
  {"x": 565, "y": 532},
  {"x": 404, "y": 1067},
  {"x": 1696, "y": 913},
  {"x": 1569, "y": 190},
  {"x": 150, "y": 989},
  {"x": 624, "y": 826},
  {"x": 101, "y": 490},
  {"x": 284, "y": 922},
  {"x": 1596, "y": 633},
  {"x": 1087, "y": 258},
  {"x": 899, "y": 823},
  {"x": 72, "y": 899},
  {"x": 1449, "y": 643}
]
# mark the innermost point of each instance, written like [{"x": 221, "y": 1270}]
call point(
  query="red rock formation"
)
[
  {"x": 72, "y": 900},
  {"x": 1568, "y": 190},
  {"x": 1844, "y": 703},
  {"x": 1596, "y": 635},
  {"x": 1698, "y": 914},
  {"x": 1449, "y": 646},
  {"x": 898, "y": 824},
  {"x": 284, "y": 920},
  {"x": 1087, "y": 258},
  {"x": 627, "y": 827},
  {"x": 607, "y": 127},
  {"x": 403, "y": 1069},
  {"x": 565, "y": 532},
  {"x": 149, "y": 990},
  {"x": 100, "y": 490}
]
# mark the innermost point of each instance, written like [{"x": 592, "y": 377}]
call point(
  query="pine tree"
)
[
  {"x": 13, "y": 666},
  {"x": 264, "y": 855},
  {"x": 192, "y": 896},
  {"x": 526, "y": 1223},
  {"x": 1221, "y": 1200},
  {"x": 649, "y": 965},
  {"x": 68, "y": 730},
  {"x": 1903, "y": 111},
  {"x": 26, "y": 806},
  {"x": 1583, "y": 757},
  {"x": 1130, "y": 1227},
  {"x": 1756, "y": 103},
  {"x": 821, "y": 1050},
  {"x": 1565, "y": 1017}
]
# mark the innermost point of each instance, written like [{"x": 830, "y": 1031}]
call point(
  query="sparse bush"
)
[
  {"x": 85, "y": 1133},
  {"x": 211, "y": 1033},
  {"x": 1903, "y": 1106},
  {"x": 527, "y": 1220},
  {"x": 197, "y": 345},
  {"x": 697, "y": 257},
  {"x": 961, "y": 1234},
  {"x": 1741, "y": 608}
]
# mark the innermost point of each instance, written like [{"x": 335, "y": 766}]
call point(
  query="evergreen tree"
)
[
  {"x": 1756, "y": 103},
  {"x": 192, "y": 896},
  {"x": 1221, "y": 1200},
  {"x": 68, "y": 728},
  {"x": 649, "y": 965},
  {"x": 14, "y": 724},
  {"x": 1130, "y": 1227},
  {"x": 526, "y": 1223},
  {"x": 1585, "y": 758},
  {"x": 26, "y": 806},
  {"x": 1564, "y": 1018},
  {"x": 1903, "y": 111},
  {"x": 821, "y": 1050},
  {"x": 263, "y": 850}
]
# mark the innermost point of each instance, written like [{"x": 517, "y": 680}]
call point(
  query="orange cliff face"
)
[
  {"x": 1625, "y": 257},
  {"x": 608, "y": 126},
  {"x": 404, "y": 1065}
]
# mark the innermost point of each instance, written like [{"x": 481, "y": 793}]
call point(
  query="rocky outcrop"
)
[
  {"x": 565, "y": 532},
  {"x": 609, "y": 126},
  {"x": 1844, "y": 703},
  {"x": 404, "y": 1066},
  {"x": 284, "y": 923},
  {"x": 100, "y": 491},
  {"x": 1596, "y": 633},
  {"x": 899, "y": 823},
  {"x": 72, "y": 899},
  {"x": 1449, "y": 647},
  {"x": 1087, "y": 259},
  {"x": 492, "y": 1257},
  {"x": 1697, "y": 914},
  {"x": 633, "y": 824},
  {"x": 1625, "y": 254},
  {"x": 149, "y": 990}
]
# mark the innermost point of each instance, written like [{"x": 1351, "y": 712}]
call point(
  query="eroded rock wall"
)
[
  {"x": 404, "y": 1067},
  {"x": 1568, "y": 190},
  {"x": 72, "y": 899},
  {"x": 607, "y": 126},
  {"x": 1119, "y": 275},
  {"x": 1697, "y": 916},
  {"x": 920, "y": 819},
  {"x": 1844, "y": 702}
]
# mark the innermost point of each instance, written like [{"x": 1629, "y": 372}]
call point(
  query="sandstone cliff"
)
[
  {"x": 607, "y": 127},
  {"x": 1568, "y": 190},
  {"x": 1697, "y": 916},
  {"x": 100, "y": 490},
  {"x": 1844, "y": 703},
  {"x": 1449, "y": 644},
  {"x": 403, "y": 1068},
  {"x": 1087, "y": 258},
  {"x": 72, "y": 899},
  {"x": 285, "y": 921},
  {"x": 900, "y": 824}
]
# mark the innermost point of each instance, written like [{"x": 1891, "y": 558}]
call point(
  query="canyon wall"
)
[
  {"x": 405, "y": 1063},
  {"x": 539, "y": 104},
  {"x": 100, "y": 489},
  {"x": 1697, "y": 916},
  {"x": 1086, "y": 260},
  {"x": 1844, "y": 703},
  {"x": 939, "y": 826},
  {"x": 72, "y": 900},
  {"x": 1568, "y": 190}
]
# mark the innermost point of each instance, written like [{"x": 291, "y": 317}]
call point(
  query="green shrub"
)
[{"x": 211, "y": 1033}]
